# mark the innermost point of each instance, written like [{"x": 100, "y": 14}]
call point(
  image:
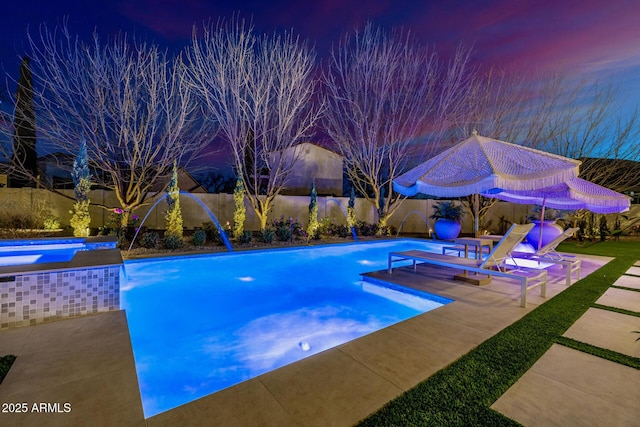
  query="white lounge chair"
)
[
  {"x": 493, "y": 265},
  {"x": 548, "y": 254}
]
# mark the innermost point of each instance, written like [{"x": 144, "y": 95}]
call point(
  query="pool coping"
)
[{"x": 343, "y": 385}]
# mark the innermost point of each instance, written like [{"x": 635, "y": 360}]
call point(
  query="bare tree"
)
[
  {"x": 577, "y": 119},
  {"x": 383, "y": 93},
  {"x": 590, "y": 124},
  {"x": 129, "y": 102},
  {"x": 497, "y": 104},
  {"x": 260, "y": 90},
  {"x": 24, "y": 135},
  {"x": 580, "y": 119}
]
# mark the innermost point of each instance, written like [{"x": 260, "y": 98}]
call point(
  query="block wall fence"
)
[{"x": 410, "y": 216}]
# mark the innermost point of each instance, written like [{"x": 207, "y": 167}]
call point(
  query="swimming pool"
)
[{"x": 200, "y": 324}]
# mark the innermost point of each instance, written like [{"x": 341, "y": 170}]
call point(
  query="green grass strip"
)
[
  {"x": 624, "y": 288},
  {"x": 617, "y": 310},
  {"x": 5, "y": 365},
  {"x": 604, "y": 353},
  {"x": 461, "y": 394}
]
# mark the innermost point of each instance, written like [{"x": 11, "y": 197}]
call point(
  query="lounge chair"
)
[
  {"x": 493, "y": 265},
  {"x": 548, "y": 254}
]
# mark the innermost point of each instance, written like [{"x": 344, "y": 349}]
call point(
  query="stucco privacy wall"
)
[{"x": 411, "y": 214}]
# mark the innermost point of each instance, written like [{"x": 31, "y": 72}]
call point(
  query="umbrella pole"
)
[
  {"x": 544, "y": 202},
  {"x": 476, "y": 220}
]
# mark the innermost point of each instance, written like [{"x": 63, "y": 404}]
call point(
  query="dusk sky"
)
[{"x": 584, "y": 36}]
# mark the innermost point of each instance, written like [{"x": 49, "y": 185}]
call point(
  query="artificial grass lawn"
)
[
  {"x": 5, "y": 365},
  {"x": 462, "y": 393}
]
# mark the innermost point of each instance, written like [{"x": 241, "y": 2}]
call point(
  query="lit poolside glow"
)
[
  {"x": 201, "y": 324},
  {"x": 18, "y": 259}
]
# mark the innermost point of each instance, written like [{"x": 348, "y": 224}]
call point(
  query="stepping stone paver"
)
[
  {"x": 621, "y": 298},
  {"x": 566, "y": 387},
  {"x": 607, "y": 329},
  {"x": 628, "y": 282}
]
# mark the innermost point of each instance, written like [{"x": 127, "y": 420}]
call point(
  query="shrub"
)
[
  {"x": 150, "y": 240},
  {"x": 51, "y": 222},
  {"x": 366, "y": 229},
  {"x": 80, "y": 218},
  {"x": 240, "y": 212},
  {"x": 199, "y": 238},
  {"x": 21, "y": 220},
  {"x": 312, "y": 228},
  {"x": 211, "y": 231},
  {"x": 173, "y": 217},
  {"x": 388, "y": 230},
  {"x": 287, "y": 228},
  {"x": 266, "y": 235},
  {"x": 327, "y": 228},
  {"x": 283, "y": 233},
  {"x": 171, "y": 241},
  {"x": 245, "y": 237}
]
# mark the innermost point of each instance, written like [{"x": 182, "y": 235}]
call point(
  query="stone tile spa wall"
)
[{"x": 39, "y": 297}]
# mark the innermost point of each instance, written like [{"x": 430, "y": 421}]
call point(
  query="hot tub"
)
[{"x": 43, "y": 280}]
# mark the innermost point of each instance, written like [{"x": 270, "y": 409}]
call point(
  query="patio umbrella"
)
[
  {"x": 573, "y": 194},
  {"x": 480, "y": 165}
]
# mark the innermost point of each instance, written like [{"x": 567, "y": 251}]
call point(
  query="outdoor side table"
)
[{"x": 478, "y": 245}]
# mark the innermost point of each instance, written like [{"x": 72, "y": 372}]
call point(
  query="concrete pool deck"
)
[{"x": 88, "y": 363}]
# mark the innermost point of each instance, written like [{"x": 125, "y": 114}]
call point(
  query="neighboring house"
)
[
  {"x": 55, "y": 171},
  {"x": 314, "y": 164},
  {"x": 186, "y": 182}
]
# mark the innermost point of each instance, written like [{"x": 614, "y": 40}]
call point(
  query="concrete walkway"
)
[
  {"x": 88, "y": 363},
  {"x": 568, "y": 387},
  {"x": 73, "y": 372}
]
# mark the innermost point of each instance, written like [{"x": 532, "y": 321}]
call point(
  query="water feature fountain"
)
[
  {"x": 346, "y": 215},
  {"x": 223, "y": 234},
  {"x": 420, "y": 214}
]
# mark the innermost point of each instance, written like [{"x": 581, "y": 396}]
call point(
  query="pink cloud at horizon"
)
[
  {"x": 588, "y": 36},
  {"x": 594, "y": 35}
]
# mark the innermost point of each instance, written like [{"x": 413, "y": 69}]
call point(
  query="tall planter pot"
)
[
  {"x": 447, "y": 229},
  {"x": 550, "y": 230}
]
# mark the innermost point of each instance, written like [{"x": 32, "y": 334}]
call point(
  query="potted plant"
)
[
  {"x": 545, "y": 228},
  {"x": 447, "y": 215}
]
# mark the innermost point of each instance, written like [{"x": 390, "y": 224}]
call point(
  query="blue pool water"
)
[
  {"x": 200, "y": 324},
  {"x": 38, "y": 254}
]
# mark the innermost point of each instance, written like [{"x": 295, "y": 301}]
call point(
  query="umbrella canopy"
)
[
  {"x": 574, "y": 194},
  {"x": 479, "y": 165}
]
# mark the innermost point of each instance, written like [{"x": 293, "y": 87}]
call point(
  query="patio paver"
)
[
  {"x": 566, "y": 387},
  {"x": 86, "y": 362},
  {"x": 337, "y": 387},
  {"x": 634, "y": 271},
  {"x": 607, "y": 329},
  {"x": 628, "y": 282},
  {"x": 621, "y": 298}
]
